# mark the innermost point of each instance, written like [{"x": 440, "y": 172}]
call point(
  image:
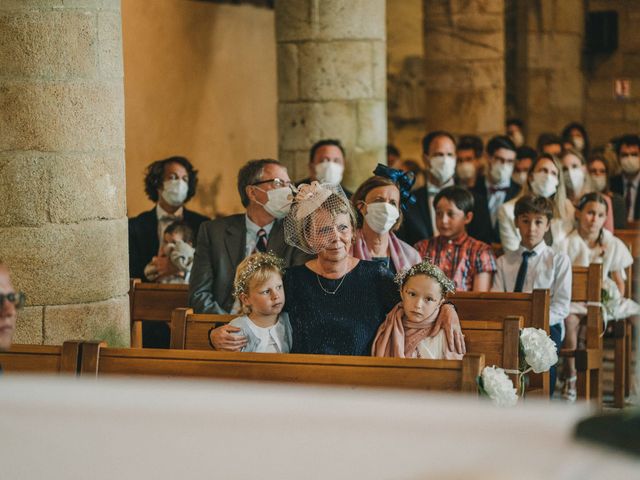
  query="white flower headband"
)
[
  {"x": 256, "y": 262},
  {"x": 429, "y": 269}
]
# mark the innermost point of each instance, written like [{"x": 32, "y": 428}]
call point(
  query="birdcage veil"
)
[{"x": 311, "y": 222}]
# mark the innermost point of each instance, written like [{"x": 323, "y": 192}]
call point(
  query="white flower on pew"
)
[
  {"x": 495, "y": 383},
  {"x": 538, "y": 350}
]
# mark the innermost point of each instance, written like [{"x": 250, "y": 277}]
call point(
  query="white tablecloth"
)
[{"x": 139, "y": 429}]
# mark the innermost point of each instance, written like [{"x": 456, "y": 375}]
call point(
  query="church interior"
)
[{"x": 159, "y": 159}]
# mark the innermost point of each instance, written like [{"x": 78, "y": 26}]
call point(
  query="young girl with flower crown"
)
[
  {"x": 258, "y": 287},
  {"x": 590, "y": 243},
  {"x": 406, "y": 331}
]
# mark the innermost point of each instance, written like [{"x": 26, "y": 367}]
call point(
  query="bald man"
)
[{"x": 10, "y": 300}]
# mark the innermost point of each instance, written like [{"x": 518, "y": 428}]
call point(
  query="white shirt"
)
[
  {"x": 252, "y": 234},
  {"x": 432, "y": 191},
  {"x": 165, "y": 219},
  {"x": 635, "y": 182},
  {"x": 546, "y": 270},
  {"x": 495, "y": 199}
]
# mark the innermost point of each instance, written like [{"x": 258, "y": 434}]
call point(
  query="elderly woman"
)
[
  {"x": 379, "y": 202},
  {"x": 335, "y": 301}
]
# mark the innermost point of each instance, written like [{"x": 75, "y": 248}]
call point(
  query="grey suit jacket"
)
[{"x": 220, "y": 248}]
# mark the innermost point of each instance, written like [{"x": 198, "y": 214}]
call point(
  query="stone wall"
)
[
  {"x": 464, "y": 65},
  {"x": 331, "y": 82},
  {"x": 200, "y": 81},
  {"x": 63, "y": 230},
  {"x": 405, "y": 76},
  {"x": 550, "y": 90},
  {"x": 605, "y": 116}
]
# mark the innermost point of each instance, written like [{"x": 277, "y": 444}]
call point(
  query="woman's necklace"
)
[{"x": 329, "y": 292}]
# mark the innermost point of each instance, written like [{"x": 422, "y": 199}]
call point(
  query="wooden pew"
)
[
  {"x": 498, "y": 340},
  {"x": 42, "y": 359},
  {"x": 622, "y": 330},
  {"x": 153, "y": 302},
  {"x": 189, "y": 331},
  {"x": 439, "y": 375},
  {"x": 532, "y": 307},
  {"x": 586, "y": 287}
]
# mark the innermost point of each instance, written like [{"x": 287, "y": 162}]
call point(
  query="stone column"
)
[
  {"x": 464, "y": 57},
  {"x": 332, "y": 82},
  {"x": 549, "y": 65},
  {"x": 63, "y": 227}
]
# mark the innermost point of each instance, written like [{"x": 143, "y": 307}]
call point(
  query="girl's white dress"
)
[
  {"x": 275, "y": 339},
  {"x": 614, "y": 256}
]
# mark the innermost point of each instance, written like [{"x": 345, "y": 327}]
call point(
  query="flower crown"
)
[
  {"x": 255, "y": 262},
  {"x": 429, "y": 269}
]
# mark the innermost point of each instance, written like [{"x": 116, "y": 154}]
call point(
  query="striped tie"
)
[{"x": 261, "y": 241}]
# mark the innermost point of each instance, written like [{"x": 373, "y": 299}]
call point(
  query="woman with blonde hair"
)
[{"x": 545, "y": 179}]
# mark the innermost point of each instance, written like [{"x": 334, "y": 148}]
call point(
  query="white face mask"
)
[
  {"x": 576, "y": 175},
  {"x": 175, "y": 191},
  {"x": 599, "y": 182},
  {"x": 519, "y": 177},
  {"x": 442, "y": 167},
  {"x": 329, "y": 172},
  {"x": 544, "y": 184},
  {"x": 578, "y": 142},
  {"x": 517, "y": 138},
  {"x": 630, "y": 164},
  {"x": 381, "y": 217},
  {"x": 278, "y": 202},
  {"x": 466, "y": 171},
  {"x": 501, "y": 173}
]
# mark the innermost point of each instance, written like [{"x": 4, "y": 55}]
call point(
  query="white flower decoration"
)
[
  {"x": 539, "y": 350},
  {"x": 499, "y": 387}
]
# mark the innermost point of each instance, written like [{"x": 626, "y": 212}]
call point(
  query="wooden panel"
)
[
  {"x": 153, "y": 302},
  {"x": 322, "y": 369},
  {"x": 43, "y": 359}
]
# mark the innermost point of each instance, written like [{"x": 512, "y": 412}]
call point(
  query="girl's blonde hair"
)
[
  {"x": 430, "y": 270},
  {"x": 559, "y": 199},
  {"x": 255, "y": 268}
]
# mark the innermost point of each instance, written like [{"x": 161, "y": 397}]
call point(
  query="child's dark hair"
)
[
  {"x": 180, "y": 227},
  {"x": 462, "y": 198},
  {"x": 593, "y": 197},
  {"x": 534, "y": 204}
]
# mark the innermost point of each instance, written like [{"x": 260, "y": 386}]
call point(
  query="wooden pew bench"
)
[
  {"x": 42, "y": 359},
  {"x": 440, "y": 375},
  {"x": 153, "y": 302},
  {"x": 532, "y": 307},
  {"x": 586, "y": 287}
]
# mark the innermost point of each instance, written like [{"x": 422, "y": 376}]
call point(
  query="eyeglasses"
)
[
  {"x": 17, "y": 298},
  {"x": 277, "y": 182}
]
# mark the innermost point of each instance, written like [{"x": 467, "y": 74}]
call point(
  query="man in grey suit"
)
[{"x": 264, "y": 188}]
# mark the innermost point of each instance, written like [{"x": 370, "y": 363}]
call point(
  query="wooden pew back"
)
[
  {"x": 153, "y": 302},
  {"x": 498, "y": 340},
  {"x": 42, "y": 359},
  {"x": 441, "y": 375},
  {"x": 532, "y": 307},
  {"x": 189, "y": 331}
]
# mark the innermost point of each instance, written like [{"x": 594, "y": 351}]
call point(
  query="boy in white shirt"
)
[{"x": 534, "y": 265}]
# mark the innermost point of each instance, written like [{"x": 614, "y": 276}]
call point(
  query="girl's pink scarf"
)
[
  {"x": 399, "y": 337},
  {"x": 402, "y": 255}
]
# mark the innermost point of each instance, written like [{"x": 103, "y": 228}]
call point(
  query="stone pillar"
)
[
  {"x": 550, "y": 80},
  {"x": 464, "y": 61},
  {"x": 332, "y": 82},
  {"x": 63, "y": 227}
]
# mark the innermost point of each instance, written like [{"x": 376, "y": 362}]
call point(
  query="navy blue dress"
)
[{"x": 342, "y": 324}]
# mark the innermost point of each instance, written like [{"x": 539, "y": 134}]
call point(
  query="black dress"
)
[{"x": 346, "y": 322}]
